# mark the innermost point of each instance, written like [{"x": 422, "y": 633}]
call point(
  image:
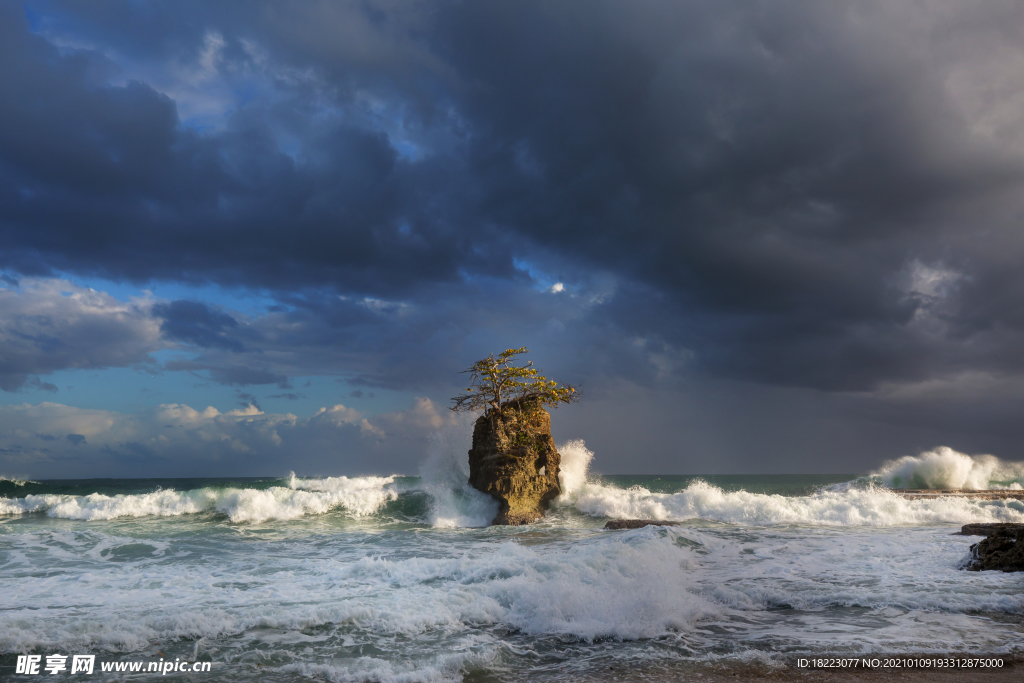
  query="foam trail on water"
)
[
  {"x": 944, "y": 468},
  {"x": 358, "y": 495},
  {"x": 445, "y": 477}
]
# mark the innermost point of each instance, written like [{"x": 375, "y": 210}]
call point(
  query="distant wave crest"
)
[
  {"x": 871, "y": 506},
  {"x": 944, "y": 468},
  {"x": 443, "y": 497},
  {"x": 16, "y": 481}
]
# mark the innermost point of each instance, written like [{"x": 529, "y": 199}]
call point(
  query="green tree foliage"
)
[{"x": 496, "y": 382}]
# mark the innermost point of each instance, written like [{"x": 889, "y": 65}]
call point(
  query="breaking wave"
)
[
  {"x": 944, "y": 468},
  {"x": 16, "y": 481},
  {"x": 762, "y": 574},
  {"x": 845, "y": 505},
  {"x": 572, "y": 475},
  {"x": 358, "y": 495},
  {"x": 444, "y": 476},
  {"x": 454, "y": 503},
  {"x": 443, "y": 498},
  {"x": 851, "y": 507}
]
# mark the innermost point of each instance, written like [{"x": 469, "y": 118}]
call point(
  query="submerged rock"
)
[
  {"x": 514, "y": 459},
  {"x": 637, "y": 523},
  {"x": 1002, "y": 550}
]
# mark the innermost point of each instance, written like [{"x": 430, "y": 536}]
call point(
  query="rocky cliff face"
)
[{"x": 514, "y": 459}]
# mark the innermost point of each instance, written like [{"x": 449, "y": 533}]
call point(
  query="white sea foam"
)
[
  {"x": 435, "y": 606},
  {"x": 902, "y": 569},
  {"x": 944, "y": 468},
  {"x": 820, "y": 573},
  {"x": 628, "y": 586},
  {"x": 645, "y": 583},
  {"x": 358, "y": 495},
  {"x": 836, "y": 506},
  {"x": 443, "y": 667},
  {"x": 445, "y": 478},
  {"x": 573, "y": 471},
  {"x": 455, "y": 504},
  {"x": 850, "y": 507}
]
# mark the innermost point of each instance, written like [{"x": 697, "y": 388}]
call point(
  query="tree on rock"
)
[
  {"x": 495, "y": 382},
  {"x": 513, "y": 457}
]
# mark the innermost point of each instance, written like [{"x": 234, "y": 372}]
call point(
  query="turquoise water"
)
[{"x": 398, "y": 579}]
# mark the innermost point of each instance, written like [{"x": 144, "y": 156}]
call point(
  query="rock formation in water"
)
[
  {"x": 1003, "y": 549},
  {"x": 637, "y": 523},
  {"x": 514, "y": 460}
]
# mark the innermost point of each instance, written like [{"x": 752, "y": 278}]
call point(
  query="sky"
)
[{"x": 248, "y": 238}]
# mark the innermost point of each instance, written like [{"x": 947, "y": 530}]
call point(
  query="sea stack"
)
[{"x": 514, "y": 459}]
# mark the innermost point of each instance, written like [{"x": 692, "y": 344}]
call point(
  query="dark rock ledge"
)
[
  {"x": 637, "y": 523},
  {"x": 1002, "y": 549},
  {"x": 989, "y": 528}
]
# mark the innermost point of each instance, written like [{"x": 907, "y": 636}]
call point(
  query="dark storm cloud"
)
[
  {"x": 104, "y": 179},
  {"x": 774, "y": 179},
  {"x": 789, "y": 193},
  {"x": 235, "y": 375},
  {"x": 196, "y": 323},
  {"x": 409, "y": 344},
  {"x": 35, "y": 383}
]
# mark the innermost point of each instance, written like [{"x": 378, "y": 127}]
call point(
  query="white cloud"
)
[
  {"x": 55, "y": 440},
  {"x": 932, "y": 281},
  {"x": 50, "y": 324},
  {"x": 423, "y": 415}
]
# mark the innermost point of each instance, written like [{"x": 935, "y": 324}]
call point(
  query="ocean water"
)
[{"x": 397, "y": 578}]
